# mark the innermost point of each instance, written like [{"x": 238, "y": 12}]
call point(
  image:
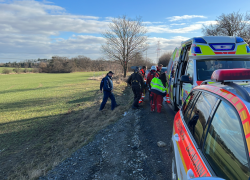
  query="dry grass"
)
[{"x": 67, "y": 134}]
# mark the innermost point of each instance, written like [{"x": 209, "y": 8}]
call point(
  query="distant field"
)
[
  {"x": 45, "y": 117},
  {"x": 11, "y": 68}
]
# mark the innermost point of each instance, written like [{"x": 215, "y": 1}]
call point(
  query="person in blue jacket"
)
[{"x": 106, "y": 87}]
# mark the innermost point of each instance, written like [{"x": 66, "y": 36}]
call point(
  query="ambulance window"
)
[
  {"x": 224, "y": 147},
  {"x": 190, "y": 70},
  {"x": 188, "y": 105},
  {"x": 200, "y": 115}
]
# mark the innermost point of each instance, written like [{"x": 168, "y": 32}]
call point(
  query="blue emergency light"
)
[
  {"x": 222, "y": 46},
  {"x": 197, "y": 50},
  {"x": 199, "y": 40},
  {"x": 239, "y": 40},
  {"x": 248, "y": 49}
]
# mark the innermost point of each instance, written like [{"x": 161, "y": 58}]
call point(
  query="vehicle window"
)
[
  {"x": 187, "y": 103},
  {"x": 200, "y": 114},
  {"x": 190, "y": 70},
  {"x": 187, "y": 108},
  {"x": 224, "y": 146},
  {"x": 206, "y": 68}
]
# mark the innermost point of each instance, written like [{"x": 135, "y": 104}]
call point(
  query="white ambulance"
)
[{"x": 197, "y": 58}]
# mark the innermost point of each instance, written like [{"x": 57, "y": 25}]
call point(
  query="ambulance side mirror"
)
[{"x": 185, "y": 79}]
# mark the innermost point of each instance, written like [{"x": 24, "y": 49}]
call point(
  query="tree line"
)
[{"x": 59, "y": 64}]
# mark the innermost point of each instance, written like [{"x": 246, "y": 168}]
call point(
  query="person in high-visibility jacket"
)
[{"x": 158, "y": 91}]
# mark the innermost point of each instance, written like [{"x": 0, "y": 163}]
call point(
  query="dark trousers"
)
[
  {"x": 137, "y": 94},
  {"x": 106, "y": 95}
]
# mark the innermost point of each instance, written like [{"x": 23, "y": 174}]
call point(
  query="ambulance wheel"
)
[{"x": 174, "y": 171}]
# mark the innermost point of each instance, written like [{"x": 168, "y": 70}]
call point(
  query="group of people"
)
[{"x": 155, "y": 84}]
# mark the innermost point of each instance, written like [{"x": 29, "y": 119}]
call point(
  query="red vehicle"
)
[{"x": 211, "y": 132}]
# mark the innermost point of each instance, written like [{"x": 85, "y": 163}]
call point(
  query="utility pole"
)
[{"x": 158, "y": 51}]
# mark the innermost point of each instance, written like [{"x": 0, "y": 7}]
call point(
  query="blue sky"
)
[{"x": 32, "y": 29}]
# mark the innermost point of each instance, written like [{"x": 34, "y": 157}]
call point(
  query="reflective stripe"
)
[
  {"x": 158, "y": 89},
  {"x": 156, "y": 84}
]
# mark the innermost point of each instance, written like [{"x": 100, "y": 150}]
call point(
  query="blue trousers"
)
[{"x": 106, "y": 95}]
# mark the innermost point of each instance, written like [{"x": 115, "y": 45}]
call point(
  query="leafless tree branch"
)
[{"x": 124, "y": 38}]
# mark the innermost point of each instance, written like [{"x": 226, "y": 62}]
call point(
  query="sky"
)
[{"x": 32, "y": 29}]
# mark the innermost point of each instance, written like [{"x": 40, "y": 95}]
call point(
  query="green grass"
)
[
  {"x": 25, "y": 96},
  {"x": 11, "y": 69},
  {"x": 34, "y": 109}
]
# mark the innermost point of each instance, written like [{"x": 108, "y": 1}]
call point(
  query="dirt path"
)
[{"x": 126, "y": 149}]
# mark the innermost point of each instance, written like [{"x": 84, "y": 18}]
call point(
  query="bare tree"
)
[
  {"x": 124, "y": 39},
  {"x": 233, "y": 24},
  {"x": 165, "y": 58}
]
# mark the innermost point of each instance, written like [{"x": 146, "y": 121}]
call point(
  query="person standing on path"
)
[
  {"x": 158, "y": 91},
  {"x": 106, "y": 87},
  {"x": 159, "y": 67},
  {"x": 143, "y": 71},
  {"x": 150, "y": 76},
  {"x": 137, "y": 83}
]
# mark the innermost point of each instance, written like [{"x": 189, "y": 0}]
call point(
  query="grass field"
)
[
  {"x": 45, "y": 117},
  {"x": 11, "y": 69}
]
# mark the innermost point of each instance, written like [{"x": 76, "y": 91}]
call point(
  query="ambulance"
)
[
  {"x": 211, "y": 132},
  {"x": 196, "y": 59}
]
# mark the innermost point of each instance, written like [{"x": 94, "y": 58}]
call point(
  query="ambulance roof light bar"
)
[{"x": 229, "y": 75}]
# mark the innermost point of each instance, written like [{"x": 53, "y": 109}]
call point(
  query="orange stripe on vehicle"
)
[
  {"x": 246, "y": 128},
  {"x": 248, "y": 143},
  {"x": 224, "y": 94},
  {"x": 243, "y": 115},
  {"x": 248, "y": 135},
  {"x": 234, "y": 100},
  {"x": 229, "y": 96},
  {"x": 239, "y": 106}
]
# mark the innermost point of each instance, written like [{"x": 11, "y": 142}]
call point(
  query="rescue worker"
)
[
  {"x": 158, "y": 91},
  {"x": 150, "y": 76},
  {"x": 106, "y": 87},
  {"x": 159, "y": 67},
  {"x": 137, "y": 83},
  {"x": 143, "y": 71}
]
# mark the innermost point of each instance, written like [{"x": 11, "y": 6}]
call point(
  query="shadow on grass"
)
[
  {"x": 42, "y": 102},
  {"x": 23, "y": 90},
  {"x": 41, "y": 143}
]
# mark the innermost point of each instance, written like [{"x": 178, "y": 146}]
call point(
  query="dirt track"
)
[{"x": 126, "y": 149}]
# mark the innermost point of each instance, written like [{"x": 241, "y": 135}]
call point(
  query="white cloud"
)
[
  {"x": 188, "y": 29},
  {"x": 31, "y": 17},
  {"x": 181, "y": 24},
  {"x": 166, "y": 45},
  {"x": 178, "y": 18},
  {"x": 27, "y": 26}
]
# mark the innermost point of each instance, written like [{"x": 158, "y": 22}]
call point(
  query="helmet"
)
[{"x": 153, "y": 68}]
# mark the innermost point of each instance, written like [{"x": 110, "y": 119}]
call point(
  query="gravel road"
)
[{"x": 126, "y": 149}]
